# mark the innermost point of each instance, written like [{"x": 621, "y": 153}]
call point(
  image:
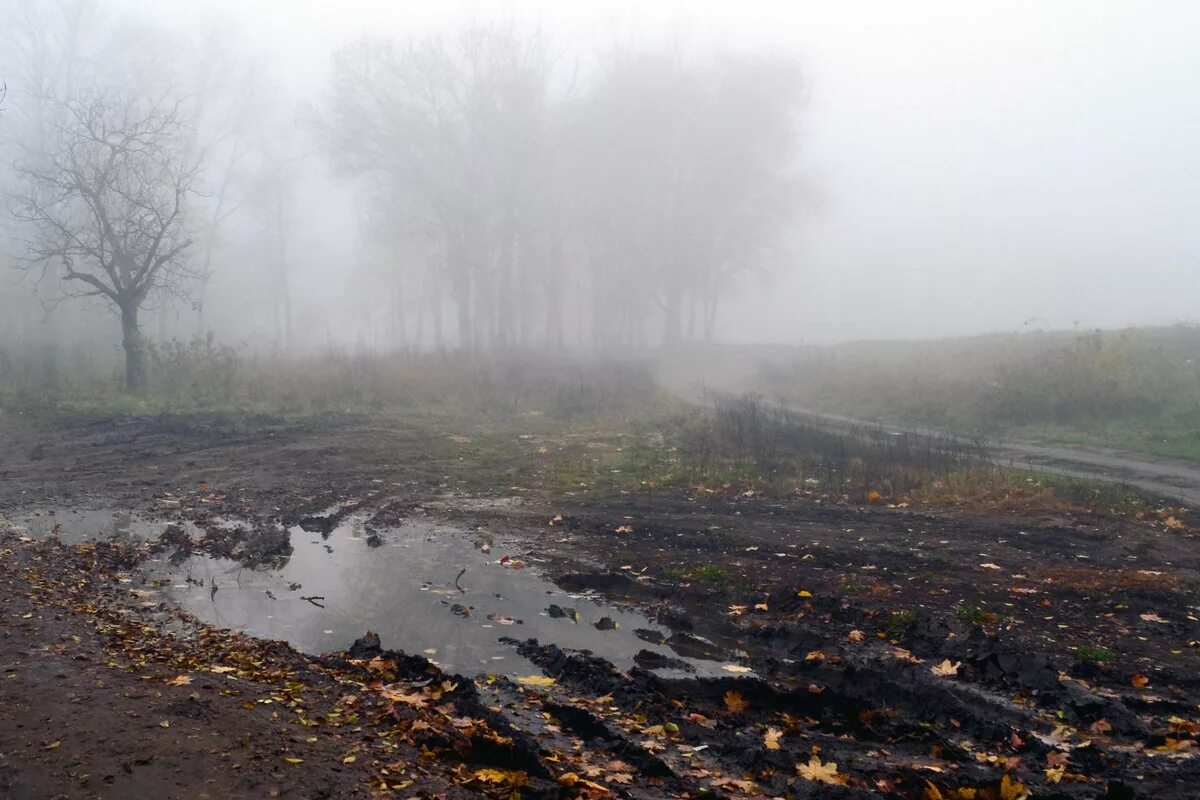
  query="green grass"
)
[
  {"x": 900, "y": 623},
  {"x": 974, "y": 614},
  {"x": 714, "y": 574},
  {"x": 1094, "y": 655}
]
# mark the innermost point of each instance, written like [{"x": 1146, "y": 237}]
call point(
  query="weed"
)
[
  {"x": 900, "y": 624},
  {"x": 975, "y": 614},
  {"x": 1094, "y": 655}
]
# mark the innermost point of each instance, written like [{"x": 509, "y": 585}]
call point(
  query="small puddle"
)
[
  {"x": 404, "y": 583},
  {"x": 77, "y": 525}
]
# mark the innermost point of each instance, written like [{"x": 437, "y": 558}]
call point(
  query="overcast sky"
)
[{"x": 976, "y": 165}]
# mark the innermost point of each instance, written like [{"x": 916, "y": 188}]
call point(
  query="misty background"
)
[{"x": 933, "y": 169}]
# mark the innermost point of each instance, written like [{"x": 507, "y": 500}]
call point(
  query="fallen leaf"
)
[
  {"x": 814, "y": 770},
  {"x": 294, "y": 760},
  {"x": 180, "y": 680},
  {"x": 535, "y": 680},
  {"x": 989, "y": 566},
  {"x": 1011, "y": 789},
  {"x": 771, "y": 738},
  {"x": 856, "y": 636},
  {"x": 735, "y": 668},
  {"x": 735, "y": 703},
  {"x": 946, "y": 669},
  {"x": 1140, "y": 681}
]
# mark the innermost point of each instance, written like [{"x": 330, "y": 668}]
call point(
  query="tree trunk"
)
[{"x": 135, "y": 353}]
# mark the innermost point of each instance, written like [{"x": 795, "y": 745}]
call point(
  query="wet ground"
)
[{"x": 860, "y": 651}]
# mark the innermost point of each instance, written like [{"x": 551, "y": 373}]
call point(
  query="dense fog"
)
[{"x": 602, "y": 177}]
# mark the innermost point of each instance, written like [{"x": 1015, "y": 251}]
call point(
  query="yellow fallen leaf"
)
[
  {"x": 294, "y": 760},
  {"x": 814, "y": 770},
  {"x": 1012, "y": 789},
  {"x": 180, "y": 680},
  {"x": 535, "y": 680},
  {"x": 946, "y": 669},
  {"x": 771, "y": 738}
]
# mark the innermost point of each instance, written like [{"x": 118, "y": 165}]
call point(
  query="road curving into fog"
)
[{"x": 1169, "y": 477}]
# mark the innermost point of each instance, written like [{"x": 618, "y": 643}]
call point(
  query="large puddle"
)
[{"x": 423, "y": 588}]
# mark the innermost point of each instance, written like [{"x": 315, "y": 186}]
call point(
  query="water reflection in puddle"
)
[
  {"x": 77, "y": 525},
  {"x": 407, "y": 588}
]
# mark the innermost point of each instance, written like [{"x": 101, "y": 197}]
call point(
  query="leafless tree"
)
[{"x": 107, "y": 210}]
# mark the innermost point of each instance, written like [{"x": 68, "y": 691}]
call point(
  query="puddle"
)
[
  {"x": 408, "y": 584},
  {"x": 88, "y": 524}
]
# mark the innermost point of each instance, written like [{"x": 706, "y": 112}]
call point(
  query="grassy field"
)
[{"x": 1136, "y": 389}]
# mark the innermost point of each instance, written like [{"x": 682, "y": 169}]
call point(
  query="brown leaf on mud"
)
[
  {"x": 771, "y": 738},
  {"x": 1012, "y": 789},
  {"x": 735, "y": 703},
  {"x": 905, "y": 655},
  {"x": 1139, "y": 681},
  {"x": 180, "y": 680},
  {"x": 514, "y": 778},
  {"x": 535, "y": 680},
  {"x": 856, "y": 636},
  {"x": 946, "y": 669},
  {"x": 814, "y": 770}
]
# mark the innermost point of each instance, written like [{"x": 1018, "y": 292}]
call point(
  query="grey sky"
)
[{"x": 977, "y": 164}]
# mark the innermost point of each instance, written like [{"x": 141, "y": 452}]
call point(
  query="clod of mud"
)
[{"x": 650, "y": 659}]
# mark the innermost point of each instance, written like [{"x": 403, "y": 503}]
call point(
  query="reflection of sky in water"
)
[
  {"x": 79, "y": 525},
  {"x": 404, "y": 591}
]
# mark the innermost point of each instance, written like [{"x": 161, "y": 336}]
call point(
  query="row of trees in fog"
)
[{"x": 504, "y": 193}]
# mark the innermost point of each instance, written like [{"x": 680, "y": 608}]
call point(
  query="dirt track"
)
[{"x": 1172, "y": 478}]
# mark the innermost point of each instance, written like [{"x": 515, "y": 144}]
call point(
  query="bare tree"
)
[{"x": 106, "y": 211}]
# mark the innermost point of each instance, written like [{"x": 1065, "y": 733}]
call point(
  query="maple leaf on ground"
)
[
  {"x": 735, "y": 703},
  {"x": 501, "y": 776},
  {"x": 814, "y": 770},
  {"x": 1011, "y": 789},
  {"x": 771, "y": 738},
  {"x": 1140, "y": 681},
  {"x": 856, "y": 636},
  {"x": 946, "y": 669},
  {"x": 180, "y": 680}
]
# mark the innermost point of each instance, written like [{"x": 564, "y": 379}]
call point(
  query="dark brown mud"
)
[{"x": 872, "y": 651}]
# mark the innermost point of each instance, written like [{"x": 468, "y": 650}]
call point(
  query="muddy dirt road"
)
[{"x": 670, "y": 643}]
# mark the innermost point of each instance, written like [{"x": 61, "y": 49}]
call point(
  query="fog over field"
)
[{"x": 948, "y": 168}]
